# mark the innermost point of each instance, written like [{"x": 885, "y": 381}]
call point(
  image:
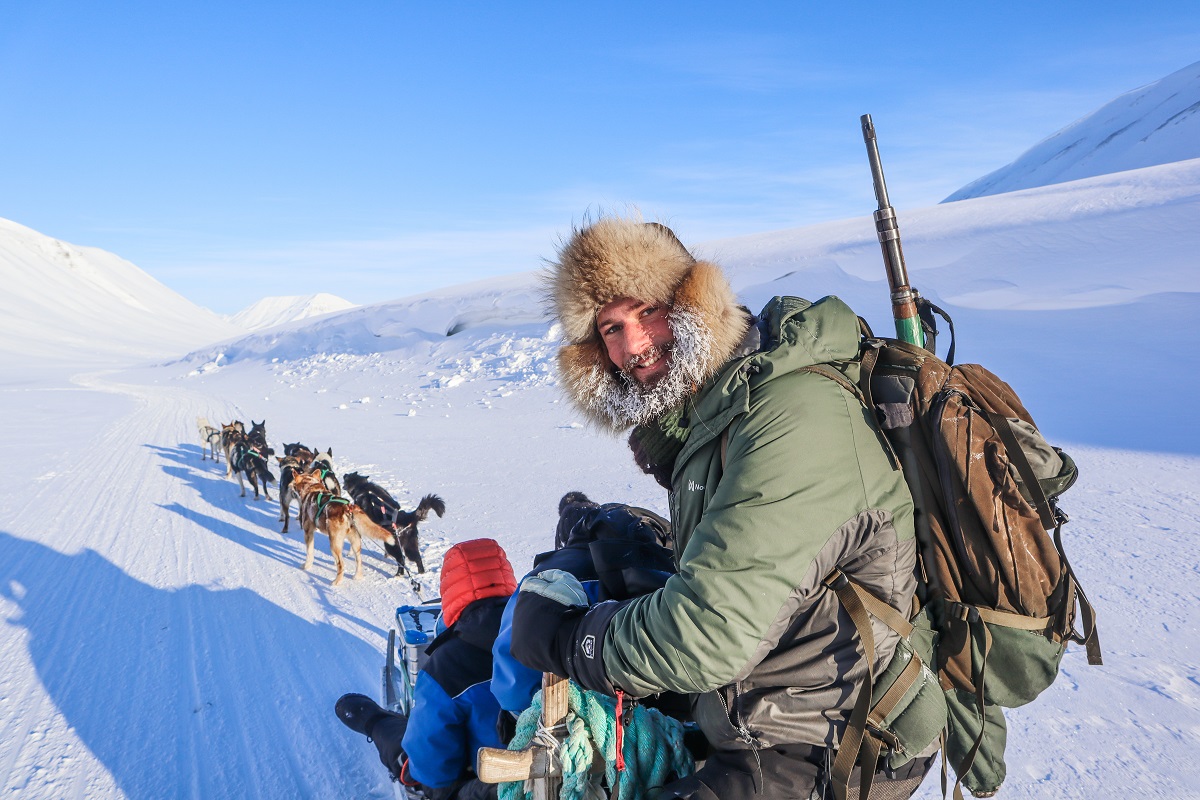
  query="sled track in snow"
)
[{"x": 162, "y": 640}]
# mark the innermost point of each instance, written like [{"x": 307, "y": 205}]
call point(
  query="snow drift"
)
[{"x": 272, "y": 311}]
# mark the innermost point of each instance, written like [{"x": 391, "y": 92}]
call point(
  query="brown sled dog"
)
[{"x": 337, "y": 518}]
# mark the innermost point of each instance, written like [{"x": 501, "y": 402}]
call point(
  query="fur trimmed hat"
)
[
  {"x": 472, "y": 571},
  {"x": 617, "y": 257}
]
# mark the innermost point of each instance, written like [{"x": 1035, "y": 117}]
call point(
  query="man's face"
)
[{"x": 637, "y": 337}]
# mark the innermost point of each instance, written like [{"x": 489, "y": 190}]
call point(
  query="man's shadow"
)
[{"x": 192, "y": 691}]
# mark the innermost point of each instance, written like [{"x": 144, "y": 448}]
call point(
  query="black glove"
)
[{"x": 554, "y": 630}]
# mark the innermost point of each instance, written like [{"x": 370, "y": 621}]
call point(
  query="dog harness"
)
[{"x": 325, "y": 498}]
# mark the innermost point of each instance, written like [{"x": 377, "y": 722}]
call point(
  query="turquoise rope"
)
[{"x": 652, "y": 746}]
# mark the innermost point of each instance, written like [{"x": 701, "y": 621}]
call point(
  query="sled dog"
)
[
  {"x": 322, "y": 463},
  {"x": 210, "y": 437},
  {"x": 251, "y": 462},
  {"x": 258, "y": 437},
  {"x": 337, "y": 518},
  {"x": 231, "y": 433},
  {"x": 384, "y": 511},
  {"x": 294, "y": 463}
]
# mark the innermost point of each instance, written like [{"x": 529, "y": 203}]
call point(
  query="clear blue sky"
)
[{"x": 370, "y": 149}]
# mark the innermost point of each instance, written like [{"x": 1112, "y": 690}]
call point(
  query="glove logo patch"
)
[{"x": 589, "y": 646}]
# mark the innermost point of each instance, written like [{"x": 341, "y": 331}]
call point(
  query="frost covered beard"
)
[{"x": 626, "y": 402}]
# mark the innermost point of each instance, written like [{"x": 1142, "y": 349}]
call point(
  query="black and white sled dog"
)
[
  {"x": 384, "y": 511},
  {"x": 323, "y": 463},
  {"x": 248, "y": 460}
]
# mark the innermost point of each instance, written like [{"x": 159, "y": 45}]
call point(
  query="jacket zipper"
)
[{"x": 734, "y": 715}]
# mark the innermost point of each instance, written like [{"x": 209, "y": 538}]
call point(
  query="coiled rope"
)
[{"x": 653, "y": 749}]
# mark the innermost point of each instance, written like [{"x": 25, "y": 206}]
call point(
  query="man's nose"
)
[{"x": 637, "y": 339}]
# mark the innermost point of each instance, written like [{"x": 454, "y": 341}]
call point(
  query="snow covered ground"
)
[{"x": 160, "y": 640}]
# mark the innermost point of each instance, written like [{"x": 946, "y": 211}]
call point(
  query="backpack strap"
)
[
  {"x": 1090, "y": 638},
  {"x": 1016, "y": 457},
  {"x": 856, "y": 746}
]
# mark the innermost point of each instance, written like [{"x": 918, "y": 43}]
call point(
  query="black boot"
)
[
  {"x": 358, "y": 712},
  {"x": 384, "y": 728}
]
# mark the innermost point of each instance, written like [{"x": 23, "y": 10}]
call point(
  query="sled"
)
[{"x": 418, "y": 627}]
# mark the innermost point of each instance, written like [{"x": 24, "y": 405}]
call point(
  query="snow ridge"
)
[
  {"x": 1156, "y": 124},
  {"x": 271, "y": 311}
]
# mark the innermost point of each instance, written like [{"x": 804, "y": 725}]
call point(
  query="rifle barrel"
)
[{"x": 904, "y": 307}]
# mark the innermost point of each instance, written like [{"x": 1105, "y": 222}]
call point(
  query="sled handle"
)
[{"x": 536, "y": 762}]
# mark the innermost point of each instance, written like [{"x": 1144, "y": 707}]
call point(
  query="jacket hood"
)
[
  {"x": 617, "y": 257},
  {"x": 473, "y": 571},
  {"x": 794, "y": 334}
]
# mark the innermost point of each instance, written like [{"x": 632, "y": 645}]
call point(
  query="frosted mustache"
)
[{"x": 649, "y": 354}]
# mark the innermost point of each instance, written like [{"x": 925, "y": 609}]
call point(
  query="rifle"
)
[{"x": 904, "y": 297}]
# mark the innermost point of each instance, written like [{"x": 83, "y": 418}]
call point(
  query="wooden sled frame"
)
[{"x": 536, "y": 761}]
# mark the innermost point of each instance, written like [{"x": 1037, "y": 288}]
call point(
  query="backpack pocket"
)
[
  {"x": 908, "y": 706},
  {"x": 1020, "y": 665}
]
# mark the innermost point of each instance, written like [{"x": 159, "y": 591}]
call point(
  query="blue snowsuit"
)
[
  {"x": 454, "y": 712},
  {"x": 513, "y": 683}
]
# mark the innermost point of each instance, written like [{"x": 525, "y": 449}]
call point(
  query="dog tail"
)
[
  {"x": 267, "y": 476},
  {"x": 365, "y": 527},
  {"x": 430, "y": 502}
]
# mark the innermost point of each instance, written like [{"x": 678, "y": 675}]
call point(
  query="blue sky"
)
[{"x": 380, "y": 149}]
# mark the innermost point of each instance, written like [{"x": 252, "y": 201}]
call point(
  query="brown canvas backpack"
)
[{"x": 998, "y": 598}]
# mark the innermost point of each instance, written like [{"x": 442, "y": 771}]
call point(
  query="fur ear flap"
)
[
  {"x": 580, "y": 367},
  {"x": 706, "y": 290}
]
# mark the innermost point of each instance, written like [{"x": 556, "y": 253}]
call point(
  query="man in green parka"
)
[{"x": 776, "y": 477}]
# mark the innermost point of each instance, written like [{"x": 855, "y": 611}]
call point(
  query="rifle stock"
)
[{"x": 904, "y": 305}]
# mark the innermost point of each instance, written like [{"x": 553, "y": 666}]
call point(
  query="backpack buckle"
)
[
  {"x": 964, "y": 613},
  {"x": 836, "y": 580}
]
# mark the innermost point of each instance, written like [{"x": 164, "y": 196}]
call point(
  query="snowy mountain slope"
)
[
  {"x": 271, "y": 311},
  {"x": 62, "y": 301},
  {"x": 431, "y": 317},
  {"x": 1155, "y": 124}
]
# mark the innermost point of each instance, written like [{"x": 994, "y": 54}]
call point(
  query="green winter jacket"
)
[{"x": 804, "y": 485}]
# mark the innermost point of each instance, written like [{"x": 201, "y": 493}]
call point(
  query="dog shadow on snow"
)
[
  {"x": 261, "y": 531},
  {"x": 191, "y": 691}
]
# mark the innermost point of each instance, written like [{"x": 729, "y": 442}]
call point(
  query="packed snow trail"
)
[{"x": 161, "y": 640}]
